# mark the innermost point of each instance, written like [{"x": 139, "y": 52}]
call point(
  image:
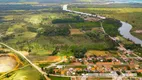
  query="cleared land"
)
[{"x": 7, "y": 63}]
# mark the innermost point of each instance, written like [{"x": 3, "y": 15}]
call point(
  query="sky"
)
[{"x": 138, "y": 1}]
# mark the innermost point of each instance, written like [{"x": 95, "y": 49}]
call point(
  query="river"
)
[
  {"x": 124, "y": 29},
  {"x": 125, "y": 32}
]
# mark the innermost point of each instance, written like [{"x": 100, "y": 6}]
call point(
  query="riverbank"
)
[
  {"x": 125, "y": 32},
  {"x": 124, "y": 14}
]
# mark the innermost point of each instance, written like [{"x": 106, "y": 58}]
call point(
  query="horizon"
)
[{"x": 62, "y": 1}]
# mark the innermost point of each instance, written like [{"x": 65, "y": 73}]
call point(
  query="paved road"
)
[{"x": 54, "y": 64}]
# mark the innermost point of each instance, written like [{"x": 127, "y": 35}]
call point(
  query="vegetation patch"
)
[
  {"x": 127, "y": 13},
  {"x": 59, "y": 78},
  {"x": 97, "y": 53},
  {"x": 24, "y": 74}
]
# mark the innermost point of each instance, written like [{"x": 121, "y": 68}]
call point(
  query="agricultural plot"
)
[
  {"x": 75, "y": 31},
  {"x": 97, "y": 53}
]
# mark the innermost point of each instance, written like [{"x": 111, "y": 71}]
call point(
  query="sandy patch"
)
[
  {"x": 75, "y": 31},
  {"x": 7, "y": 63},
  {"x": 138, "y": 31},
  {"x": 51, "y": 59}
]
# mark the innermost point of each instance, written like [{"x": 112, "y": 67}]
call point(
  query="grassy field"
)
[
  {"x": 130, "y": 14},
  {"x": 59, "y": 78},
  {"x": 40, "y": 31},
  {"x": 27, "y": 73}
]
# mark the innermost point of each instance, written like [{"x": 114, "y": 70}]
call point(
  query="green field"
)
[
  {"x": 42, "y": 30},
  {"x": 26, "y": 73},
  {"x": 59, "y": 78}
]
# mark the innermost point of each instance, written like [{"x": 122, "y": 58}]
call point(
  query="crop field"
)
[
  {"x": 51, "y": 59},
  {"x": 97, "y": 53}
]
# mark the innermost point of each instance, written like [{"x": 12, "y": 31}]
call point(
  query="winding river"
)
[
  {"x": 125, "y": 32},
  {"x": 124, "y": 29}
]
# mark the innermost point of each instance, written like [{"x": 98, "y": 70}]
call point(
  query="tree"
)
[
  {"x": 79, "y": 53},
  {"x": 55, "y": 51}
]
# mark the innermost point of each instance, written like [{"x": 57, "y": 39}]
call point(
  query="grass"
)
[
  {"x": 86, "y": 25},
  {"x": 43, "y": 64},
  {"x": 35, "y": 19},
  {"x": 16, "y": 28},
  {"x": 65, "y": 53},
  {"x": 59, "y": 78},
  {"x": 100, "y": 78},
  {"x": 27, "y": 73},
  {"x": 124, "y": 41},
  {"x": 22, "y": 37},
  {"x": 43, "y": 44},
  {"x": 25, "y": 32},
  {"x": 74, "y": 66}
]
